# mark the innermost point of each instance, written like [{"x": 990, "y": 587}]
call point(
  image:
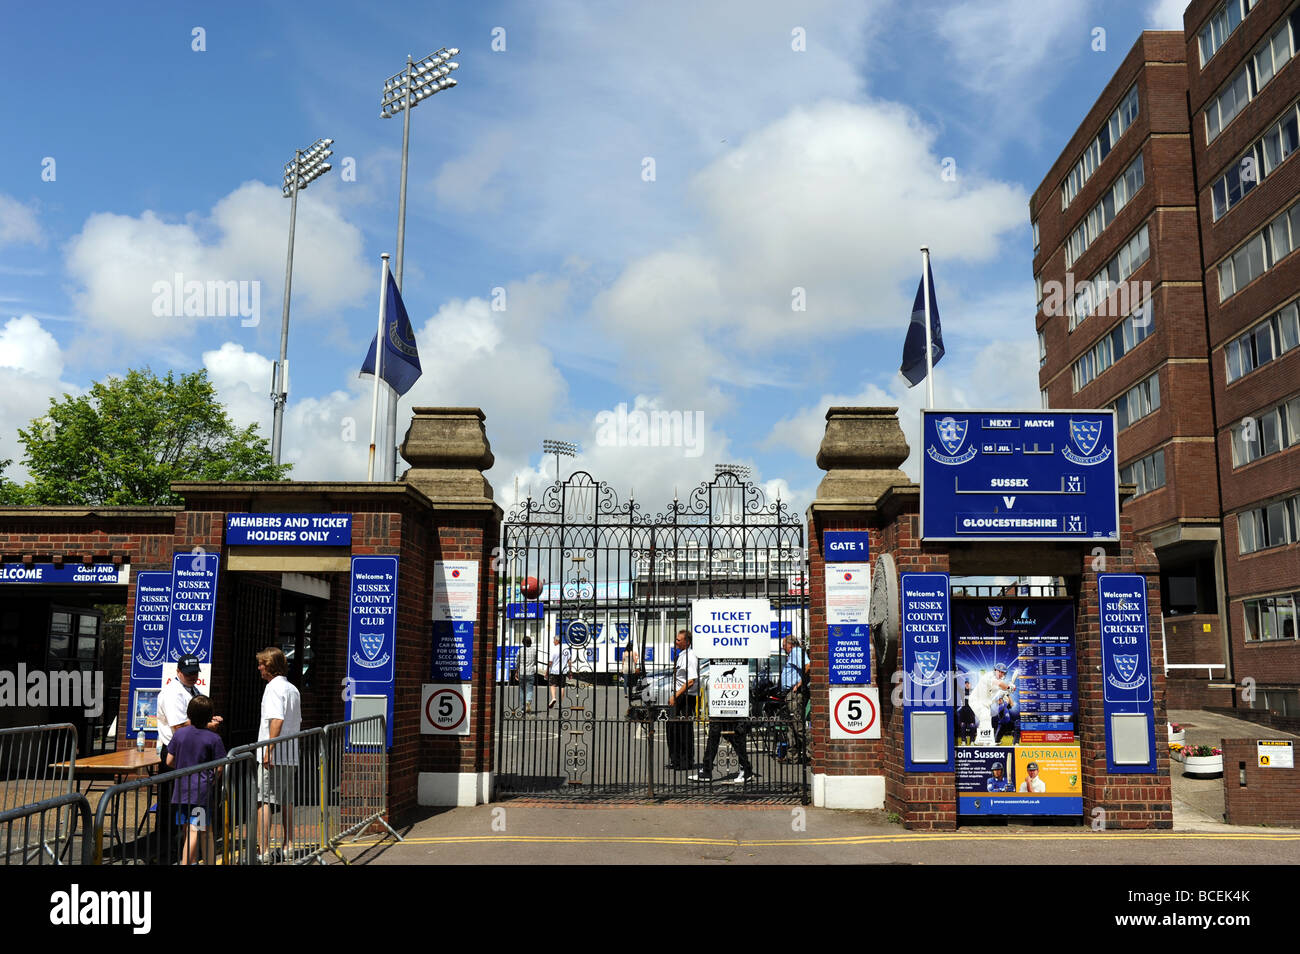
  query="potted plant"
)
[
  {"x": 1202, "y": 761},
  {"x": 1177, "y": 733},
  {"x": 1176, "y": 751}
]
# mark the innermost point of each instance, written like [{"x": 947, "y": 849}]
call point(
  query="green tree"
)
[
  {"x": 128, "y": 439},
  {"x": 10, "y": 493}
]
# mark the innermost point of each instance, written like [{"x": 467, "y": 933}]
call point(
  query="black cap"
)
[{"x": 189, "y": 665}]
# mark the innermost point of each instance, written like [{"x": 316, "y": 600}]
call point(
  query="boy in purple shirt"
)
[{"x": 195, "y": 744}]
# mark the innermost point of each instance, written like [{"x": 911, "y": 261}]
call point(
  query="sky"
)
[{"x": 709, "y": 210}]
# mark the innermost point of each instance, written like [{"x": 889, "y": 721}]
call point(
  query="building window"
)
[
  {"x": 1042, "y": 350},
  {"x": 1090, "y": 295},
  {"x": 1268, "y": 432},
  {"x": 1112, "y": 346},
  {"x": 1272, "y": 525},
  {"x": 1269, "y": 57},
  {"x": 1095, "y": 222},
  {"x": 1260, "y": 252},
  {"x": 1220, "y": 26},
  {"x": 1038, "y": 291},
  {"x": 1100, "y": 147},
  {"x": 1257, "y": 162},
  {"x": 1148, "y": 473},
  {"x": 1042, "y": 397},
  {"x": 1035, "y": 225},
  {"x": 1270, "y": 617},
  {"x": 1138, "y": 402},
  {"x": 1274, "y": 336}
]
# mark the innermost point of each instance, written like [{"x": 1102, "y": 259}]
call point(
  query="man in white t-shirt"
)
[
  {"x": 281, "y": 716},
  {"x": 681, "y": 727}
]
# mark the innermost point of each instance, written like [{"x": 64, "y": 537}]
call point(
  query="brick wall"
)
[{"x": 1271, "y": 796}]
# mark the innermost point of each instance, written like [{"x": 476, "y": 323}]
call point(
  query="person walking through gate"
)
[
  {"x": 526, "y": 667},
  {"x": 794, "y": 682},
  {"x": 735, "y": 730},
  {"x": 281, "y": 715},
  {"x": 681, "y": 729},
  {"x": 557, "y": 668}
]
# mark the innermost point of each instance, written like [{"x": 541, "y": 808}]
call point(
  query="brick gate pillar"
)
[
  {"x": 861, "y": 452},
  {"x": 448, "y": 450}
]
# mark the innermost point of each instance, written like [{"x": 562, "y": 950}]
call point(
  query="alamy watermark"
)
[
  {"x": 1086, "y": 298},
  {"x": 179, "y": 298},
  {"x": 57, "y": 690},
  {"x": 653, "y": 428}
]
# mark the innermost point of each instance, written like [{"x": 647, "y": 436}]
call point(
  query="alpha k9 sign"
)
[{"x": 1019, "y": 475}]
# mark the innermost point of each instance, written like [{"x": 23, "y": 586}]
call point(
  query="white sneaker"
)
[
  {"x": 740, "y": 777},
  {"x": 700, "y": 777}
]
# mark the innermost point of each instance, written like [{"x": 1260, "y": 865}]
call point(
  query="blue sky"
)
[{"x": 549, "y": 275}]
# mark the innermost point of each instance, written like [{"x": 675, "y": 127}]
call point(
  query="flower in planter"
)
[
  {"x": 1175, "y": 727},
  {"x": 1202, "y": 751}
]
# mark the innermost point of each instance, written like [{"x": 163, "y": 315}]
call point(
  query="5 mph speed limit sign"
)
[
  {"x": 855, "y": 712},
  {"x": 444, "y": 709}
]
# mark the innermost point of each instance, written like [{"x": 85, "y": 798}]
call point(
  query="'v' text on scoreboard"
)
[{"x": 1019, "y": 475}]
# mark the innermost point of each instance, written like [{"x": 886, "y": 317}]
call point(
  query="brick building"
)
[{"x": 1167, "y": 290}]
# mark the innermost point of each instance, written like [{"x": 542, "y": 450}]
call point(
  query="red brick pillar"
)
[
  {"x": 449, "y": 451},
  {"x": 860, "y": 452},
  {"x": 1125, "y": 801}
]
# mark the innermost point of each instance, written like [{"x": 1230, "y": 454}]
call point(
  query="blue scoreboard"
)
[{"x": 1019, "y": 475}]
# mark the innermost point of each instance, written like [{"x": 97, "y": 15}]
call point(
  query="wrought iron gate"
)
[{"x": 595, "y": 590}]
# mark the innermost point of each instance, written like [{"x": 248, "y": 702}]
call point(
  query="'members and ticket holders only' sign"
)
[
  {"x": 1126, "y": 673},
  {"x": 289, "y": 529},
  {"x": 1019, "y": 475},
  {"x": 731, "y": 628}
]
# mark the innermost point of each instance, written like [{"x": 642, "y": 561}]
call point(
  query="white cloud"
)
[
  {"x": 832, "y": 200},
  {"x": 31, "y": 365},
  {"x": 1166, "y": 14},
  {"x": 18, "y": 224},
  {"x": 117, "y": 261},
  {"x": 466, "y": 183}
]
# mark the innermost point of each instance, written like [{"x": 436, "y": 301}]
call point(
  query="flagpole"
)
[
  {"x": 379, "y": 357},
  {"x": 929, "y": 365}
]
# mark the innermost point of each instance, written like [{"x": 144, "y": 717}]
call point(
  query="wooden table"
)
[{"x": 118, "y": 766}]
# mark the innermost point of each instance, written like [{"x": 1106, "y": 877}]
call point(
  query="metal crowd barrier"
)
[
  {"x": 44, "y": 832},
  {"x": 298, "y": 804},
  {"x": 36, "y": 765},
  {"x": 32, "y": 763},
  {"x": 150, "y": 821},
  {"x": 356, "y": 760}
]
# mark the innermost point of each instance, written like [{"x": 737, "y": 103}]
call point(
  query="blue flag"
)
[
  {"x": 913, "y": 368},
  {"x": 401, "y": 365}
]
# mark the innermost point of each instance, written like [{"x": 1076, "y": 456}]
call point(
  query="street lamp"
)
[
  {"x": 306, "y": 167},
  {"x": 403, "y": 92},
  {"x": 567, "y": 448}
]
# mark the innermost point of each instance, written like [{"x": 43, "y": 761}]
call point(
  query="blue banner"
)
[
  {"x": 153, "y": 597},
  {"x": 372, "y": 619},
  {"x": 101, "y": 573},
  {"x": 926, "y": 664},
  {"x": 1126, "y": 664},
  {"x": 289, "y": 529},
  {"x": 846, "y": 546},
  {"x": 849, "y": 654},
  {"x": 1019, "y": 475},
  {"x": 453, "y": 651},
  {"x": 193, "y": 607}
]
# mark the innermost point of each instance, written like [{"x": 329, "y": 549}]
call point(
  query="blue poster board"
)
[
  {"x": 525, "y": 610},
  {"x": 372, "y": 632},
  {"x": 101, "y": 573},
  {"x": 153, "y": 597},
  {"x": 849, "y": 654},
  {"x": 453, "y": 651},
  {"x": 1019, "y": 475},
  {"x": 926, "y": 665},
  {"x": 193, "y": 607},
  {"x": 1127, "y": 699}
]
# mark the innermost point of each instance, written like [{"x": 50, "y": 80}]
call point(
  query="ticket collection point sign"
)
[{"x": 731, "y": 628}]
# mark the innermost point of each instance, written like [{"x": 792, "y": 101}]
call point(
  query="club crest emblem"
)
[
  {"x": 995, "y": 617},
  {"x": 372, "y": 644},
  {"x": 1126, "y": 666},
  {"x": 952, "y": 435},
  {"x": 153, "y": 646},
  {"x": 1086, "y": 435},
  {"x": 189, "y": 640},
  {"x": 926, "y": 665}
]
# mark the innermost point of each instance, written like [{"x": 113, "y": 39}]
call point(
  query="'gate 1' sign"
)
[
  {"x": 847, "y": 546},
  {"x": 855, "y": 713},
  {"x": 444, "y": 709},
  {"x": 731, "y": 628},
  {"x": 1019, "y": 475}
]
